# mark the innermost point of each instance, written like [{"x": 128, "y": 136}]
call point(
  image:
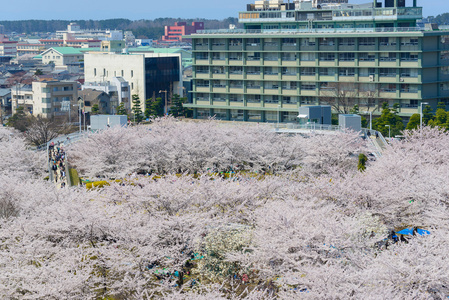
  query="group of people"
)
[{"x": 57, "y": 156}]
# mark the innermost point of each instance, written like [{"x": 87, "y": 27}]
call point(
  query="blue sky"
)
[{"x": 149, "y": 9}]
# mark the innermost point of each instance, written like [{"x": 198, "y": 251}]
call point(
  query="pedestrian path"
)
[{"x": 57, "y": 165}]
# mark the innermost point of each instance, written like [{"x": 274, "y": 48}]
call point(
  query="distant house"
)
[
  {"x": 62, "y": 56},
  {"x": 93, "y": 97}
]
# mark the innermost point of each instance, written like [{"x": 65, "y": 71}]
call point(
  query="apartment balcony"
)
[
  {"x": 367, "y": 48},
  {"x": 272, "y": 63},
  {"x": 289, "y": 77},
  {"x": 253, "y": 47},
  {"x": 236, "y": 76},
  {"x": 346, "y": 78},
  {"x": 218, "y": 47},
  {"x": 236, "y": 90},
  {"x": 203, "y": 47},
  {"x": 410, "y": 64},
  {"x": 327, "y": 78},
  {"x": 289, "y": 47},
  {"x": 202, "y": 89},
  {"x": 202, "y": 75},
  {"x": 387, "y": 94},
  {"x": 202, "y": 102},
  {"x": 253, "y": 104},
  {"x": 253, "y": 89},
  {"x": 308, "y": 92},
  {"x": 271, "y": 77},
  {"x": 410, "y": 95},
  {"x": 342, "y": 63},
  {"x": 366, "y": 78},
  {"x": 290, "y": 106},
  {"x": 236, "y": 47},
  {"x": 271, "y": 105},
  {"x": 219, "y": 76},
  {"x": 308, "y": 77},
  {"x": 236, "y": 103},
  {"x": 236, "y": 62},
  {"x": 387, "y": 64},
  {"x": 327, "y": 63},
  {"x": 253, "y": 62},
  {"x": 409, "y": 79},
  {"x": 329, "y": 48},
  {"x": 387, "y": 48},
  {"x": 201, "y": 62},
  {"x": 347, "y": 48},
  {"x": 271, "y": 47},
  {"x": 253, "y": 76},
  {"x": 289, "y": 63},
  {"x": 308, "y": 48},
  {"x": 414, "y": 47},
  {"x": 387, "y": 78},
  {"x": 271, "y": 91},
  {"x": 219, "y": 62},
  {"x": 219, "y": 89},
  {"x": 308, "y": 63},
  {"x": 371, "y": 64},
  {"x": 290, "y": 92}
]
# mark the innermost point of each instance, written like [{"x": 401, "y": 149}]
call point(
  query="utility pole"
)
[{"x": 165, "y": 106}]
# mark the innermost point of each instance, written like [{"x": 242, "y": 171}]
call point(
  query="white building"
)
[
  {"x": 54, "y": 98},
  {"x": 62, "y": 56},
  {"x": 147, "y": 73},
  {"x": 74, "y": 32}
]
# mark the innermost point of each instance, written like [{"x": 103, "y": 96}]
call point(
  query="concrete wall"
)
[
  {"x": 100, "y": 67},
  {"x": 101, "y": 122}
]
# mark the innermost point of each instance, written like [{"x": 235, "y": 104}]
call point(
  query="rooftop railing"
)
[{"x": 314, "y": 30}]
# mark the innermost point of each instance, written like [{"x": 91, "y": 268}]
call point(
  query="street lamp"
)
[
  {"x": 165, "y": 106},
  {"x": 279, "y": 107},
  {"x": 421, "y": 114},
  {"x": 389, "y": 131}
]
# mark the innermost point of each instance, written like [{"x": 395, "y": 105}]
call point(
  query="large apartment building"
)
[{"x": 313, "y": 52}]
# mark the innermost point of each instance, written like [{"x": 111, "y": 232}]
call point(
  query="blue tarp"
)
[{"x": 409, "y": 231}]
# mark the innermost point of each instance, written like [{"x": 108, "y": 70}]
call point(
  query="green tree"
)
[
  {"x": 19, "y": 120},
  {"x": 427, "y": 114},
  {"x": 95, "y": 109},
  {"x": 137, "y": 110},
  {"x": 414, "y": 121},
  {"x": 177, "y": 109},
  {"x": 38, "y": 72},
  {"x": 121, "y": 110},
  {"x": 156, "y": 108},
  {"x": 388, "y": 117},
  {"x": 148, "y": 103},
  {"x": 362, "y": 162}
]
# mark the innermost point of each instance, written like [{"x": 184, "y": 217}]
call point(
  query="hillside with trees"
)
[{"x": 153, "y": 29}]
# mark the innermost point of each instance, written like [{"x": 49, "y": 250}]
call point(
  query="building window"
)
[
  {"x": 346, "y": 72},
  {"x": 347, "y": 56},
  {"x": 132, "y": 73},
  {"x": 95, "y": 72},
  {"x": 409, "y": 56},
  {"x": 367, "y": 56}
]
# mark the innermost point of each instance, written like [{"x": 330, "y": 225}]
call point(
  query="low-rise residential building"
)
[
  {"x": 54, "y": 98},
  {"x": 93, "y": 97},
  {"x": 82, "y": 43},
  {"x": 117, "y": 88},
  {"x": 112, "y": 46},
  {"x": 22, "y": 95},
  {"x": 62, "y": 56},
  {"x": 8, "y": 48}
]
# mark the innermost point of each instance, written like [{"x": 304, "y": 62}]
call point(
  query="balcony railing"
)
[{"x": 311, "y": 30}]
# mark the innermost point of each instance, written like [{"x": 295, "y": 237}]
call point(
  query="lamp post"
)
[
  {"x": 165, "y": 106},
  {"x": 389, "y": 131},
  {"x": 421, "y": 114},
  {"x": 279, "y": 107}
]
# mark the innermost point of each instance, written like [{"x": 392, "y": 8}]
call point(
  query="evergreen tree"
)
[
  {"x": 121, "y": 110},
  {"x": 356, "y": 111},
  {"x": 95, "y": 109},
  {"x": 414, "y": 121},
  {"x": 137, "y": 110},
  {"x": 427, "y": 115},
  {"x": 148, "y": 103},
  {"x": 19, "y": 120},
  {"x": 157, "y": 108},
  {"x": 388, "y": 117}
]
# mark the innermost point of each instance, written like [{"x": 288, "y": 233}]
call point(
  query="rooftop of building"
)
[{"x": 65, "y": 50}]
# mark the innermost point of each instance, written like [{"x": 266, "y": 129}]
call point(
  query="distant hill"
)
[{"x": 152, "y": 29}]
